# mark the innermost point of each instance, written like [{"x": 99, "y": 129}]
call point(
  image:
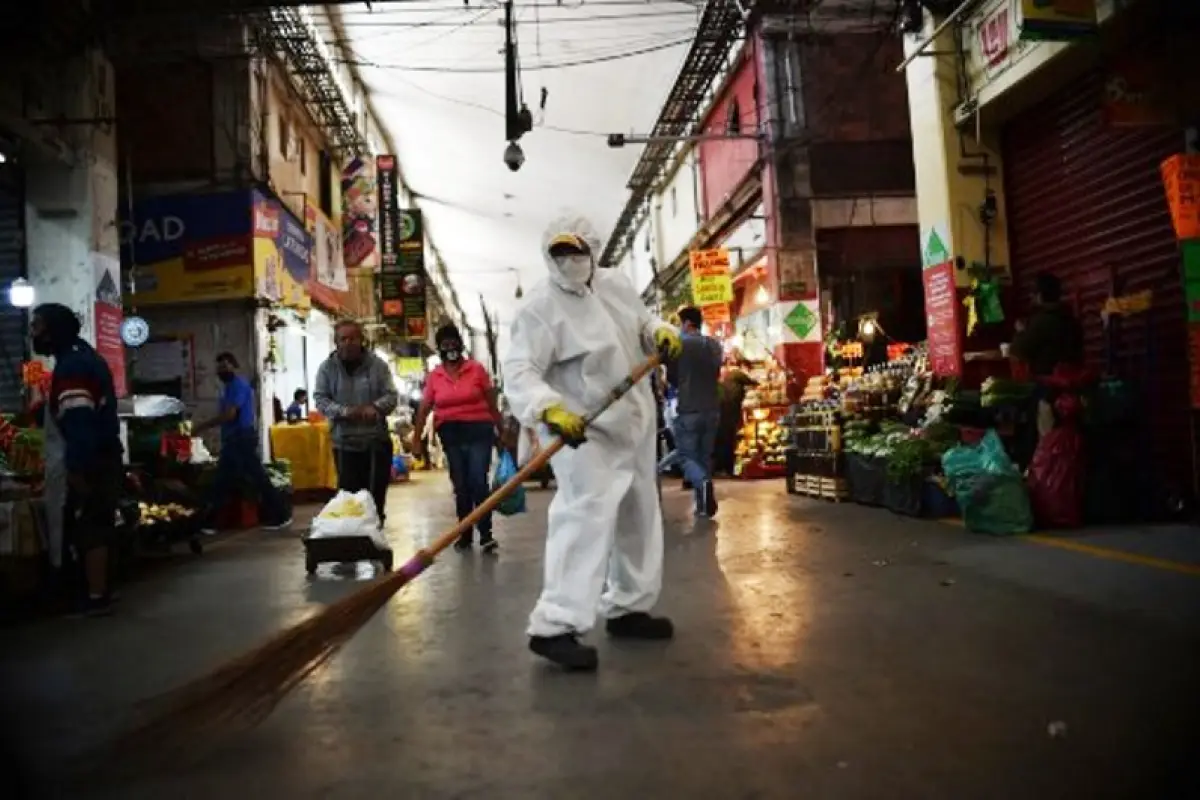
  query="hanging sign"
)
[
  {"x": 388, "y": 185},
  {"x": 941, "y": 320},
  {"x": 1056, "y": 20},
  {"x": 1181, "y": 181},
  {"x": 711, "y": 281}
]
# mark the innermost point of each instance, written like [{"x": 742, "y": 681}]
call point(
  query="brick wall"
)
[{"x": 849, "y": 98}]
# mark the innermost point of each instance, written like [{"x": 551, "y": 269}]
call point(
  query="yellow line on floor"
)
[
  {"x": 1109, "y": 553},
  {"x": 1181, "y": 567}
]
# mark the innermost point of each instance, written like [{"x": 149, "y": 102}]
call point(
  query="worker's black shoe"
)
[
  {"x": 463, "y": 544},
  {"x": 640, "y": 625},
  {"x": 710, "y": 499},
  {"x": 488, "y": 545},
  {"x": 565, "y": 651}
]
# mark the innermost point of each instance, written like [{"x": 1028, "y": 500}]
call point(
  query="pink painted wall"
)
[{"x": 723, "y": 164}]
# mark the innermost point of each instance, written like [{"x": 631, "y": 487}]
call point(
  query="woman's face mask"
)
[
  {"x": 576, "y": 268},
  {"x": 450, "y": 352}
]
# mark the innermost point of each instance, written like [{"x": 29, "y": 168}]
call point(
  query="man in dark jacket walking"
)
[
  {"x": 356, "y": 392},
  {"x": 695, "y": 375}
]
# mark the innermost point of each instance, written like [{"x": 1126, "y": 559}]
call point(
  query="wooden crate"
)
[{"x": 835, "y": 489}]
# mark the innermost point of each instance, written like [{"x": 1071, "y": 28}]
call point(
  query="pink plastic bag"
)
[{"x": 1056, "y": 477}]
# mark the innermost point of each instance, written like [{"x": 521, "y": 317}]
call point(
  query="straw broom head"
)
[{"x": 243, "y": 692}]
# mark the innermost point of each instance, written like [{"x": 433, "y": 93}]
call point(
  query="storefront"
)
[{"x": 1086, "y": 203}]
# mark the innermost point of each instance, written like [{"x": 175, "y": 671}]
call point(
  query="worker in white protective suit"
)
[{"x": 580, "y": 332}]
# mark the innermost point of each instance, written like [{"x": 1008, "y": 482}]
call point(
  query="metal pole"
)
[{"x": 947, "y": 22}]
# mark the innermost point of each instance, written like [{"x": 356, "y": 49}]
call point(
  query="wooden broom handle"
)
[{"x": 534, "y": 466}]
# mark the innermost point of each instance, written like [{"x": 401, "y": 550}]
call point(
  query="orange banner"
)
[
  {"x": 716, "y": 314},
  {"x": 1181, "y": 180}
]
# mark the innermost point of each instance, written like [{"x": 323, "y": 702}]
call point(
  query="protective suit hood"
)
[{"x": 565, "y": 228}]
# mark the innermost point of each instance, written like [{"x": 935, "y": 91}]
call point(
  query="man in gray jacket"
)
[{"x": 355, "y": 391}]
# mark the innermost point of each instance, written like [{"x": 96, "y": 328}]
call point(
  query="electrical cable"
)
[
  {"x": 497, "y": 112},
  {"x": 575, "y": 20},
  {"x": 408, "y": 48},
  {"x": 580, "y": 62},
  {"x": 351, "y": 15}
]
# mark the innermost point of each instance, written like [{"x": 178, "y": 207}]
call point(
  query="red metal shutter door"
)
[{"x": 1085, "y": 202}]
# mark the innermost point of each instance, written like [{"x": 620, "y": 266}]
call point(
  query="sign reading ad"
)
[{"x": 189, "y": 247}]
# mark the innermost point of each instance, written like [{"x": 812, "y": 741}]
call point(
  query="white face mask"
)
[{"x": 576, "y": 268}]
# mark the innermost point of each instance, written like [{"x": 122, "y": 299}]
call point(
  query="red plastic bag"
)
[{"x": 1055, "y": 479}]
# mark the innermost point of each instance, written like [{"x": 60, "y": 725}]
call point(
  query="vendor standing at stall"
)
[
  {"x": 734, "y": 383},
  {"x": 1052, "y": 336},
  {"x": 83, "y": 451},
  {"x": 239, "y": 458},
  {"x": 356, "y": 393}
]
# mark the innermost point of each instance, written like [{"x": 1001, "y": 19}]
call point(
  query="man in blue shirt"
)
[
  {"x": 83, "y": 448},
  {"x": 695, "y": 375},
  {"x": 295, "y": 412},
  {"x": 238, "y": 460}
]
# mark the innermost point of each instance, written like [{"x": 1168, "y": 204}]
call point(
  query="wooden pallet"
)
[{"x": 835, "y": 489}]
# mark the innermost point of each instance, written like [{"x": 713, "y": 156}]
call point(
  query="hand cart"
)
[{"x": 347, "y": 549}]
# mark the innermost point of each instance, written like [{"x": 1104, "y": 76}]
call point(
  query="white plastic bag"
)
[
  {"x": 349, "y": 515},
  {"x": 158, "y": 405},
  {"x": 200, "y": 454}
]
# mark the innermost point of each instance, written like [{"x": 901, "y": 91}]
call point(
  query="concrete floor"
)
[{"x": 823, "y": 652}]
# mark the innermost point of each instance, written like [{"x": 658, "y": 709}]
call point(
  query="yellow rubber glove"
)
[
  {"x": 567, "y": 424},
  {"x": 668, "y": 342}
]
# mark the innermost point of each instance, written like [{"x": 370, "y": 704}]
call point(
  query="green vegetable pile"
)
[
  {"x": 280, "y": 473},
  {"x": 1004, "y": 392}
]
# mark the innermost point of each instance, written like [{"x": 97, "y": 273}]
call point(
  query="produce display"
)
[
  {"x": 280, "y": 473},
  {"x": 1005, "y": 392},
  {"x": 155, "y": 514},
  {"x": 761, "y": 447},
  {"x": 22, "y": 450}
]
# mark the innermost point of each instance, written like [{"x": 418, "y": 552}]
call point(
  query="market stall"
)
[
  {"x": 308, "y": 448},
  {"x": 761, "y": 447}
]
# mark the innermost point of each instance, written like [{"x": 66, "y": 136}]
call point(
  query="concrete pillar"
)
[
  {"x": 72, "y": 240},
  {"x": 954, "y": 168}
]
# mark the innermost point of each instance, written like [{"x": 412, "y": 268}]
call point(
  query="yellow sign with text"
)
[
  {"x": 711, "y": 281},
  {"x": 175, "y": 281}
]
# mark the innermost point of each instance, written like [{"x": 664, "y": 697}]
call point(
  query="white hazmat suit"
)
[{"x": 574, "y": 339}]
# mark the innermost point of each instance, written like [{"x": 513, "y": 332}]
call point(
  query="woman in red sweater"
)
[{"x": 459, "y": 394}]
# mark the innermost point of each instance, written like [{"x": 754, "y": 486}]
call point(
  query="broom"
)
[{"x": 244, "y": 691}]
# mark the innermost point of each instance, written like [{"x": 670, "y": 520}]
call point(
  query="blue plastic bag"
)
[
  {"x": 988, "y": 487},
  {"x": 506, "y": 467}
]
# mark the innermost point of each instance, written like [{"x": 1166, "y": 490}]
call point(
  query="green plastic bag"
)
[
  {"x": 989, "y": 488},
  {"x": 506, "y": 468}
]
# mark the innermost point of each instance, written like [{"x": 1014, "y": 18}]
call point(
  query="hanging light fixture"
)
[
  {"x": 21, "y": 293},
  {"x": 761, "y": 297}
]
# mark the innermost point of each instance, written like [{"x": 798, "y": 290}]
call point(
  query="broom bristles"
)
[{"x": 244, "y": 691}]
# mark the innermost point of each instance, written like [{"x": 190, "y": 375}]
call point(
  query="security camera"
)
[{"x": 514, "y": 156}]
